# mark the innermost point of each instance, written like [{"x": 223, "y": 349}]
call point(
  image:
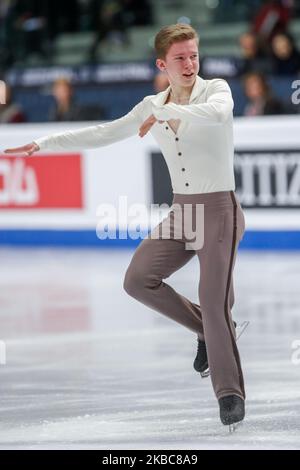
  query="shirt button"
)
[
  {"x": 187, "y": 184},
  {"x": 182, "y": 169},
  {"x": 179, "y": 153},
  {"x": 177, "y": 139},
  {"x": 167, "y": 128}
]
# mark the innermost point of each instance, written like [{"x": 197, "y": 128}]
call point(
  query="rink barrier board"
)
[
  {"x": 28, "y": 221},
  {"x": 252, "y": 240}
]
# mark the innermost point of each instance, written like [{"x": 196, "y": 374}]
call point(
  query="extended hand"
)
[
  {"x": 146, "y": 126},
  {"x": 29, "y": 149}
]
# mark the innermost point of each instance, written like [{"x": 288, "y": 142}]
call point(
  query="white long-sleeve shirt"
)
[{"x": 199, "y": 155}]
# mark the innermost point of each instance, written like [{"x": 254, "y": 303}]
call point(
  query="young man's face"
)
[{"x": 181, "y": 63}]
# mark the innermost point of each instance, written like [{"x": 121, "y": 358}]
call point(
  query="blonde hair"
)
[
  {"x": 170, "y": 34},
  {"x": 62, "y": 81}
]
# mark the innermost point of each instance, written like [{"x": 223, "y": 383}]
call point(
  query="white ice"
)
[{"x": 88, "y": 367}]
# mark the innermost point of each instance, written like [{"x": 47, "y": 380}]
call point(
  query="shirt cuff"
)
[{"x": 41, "y": 142}]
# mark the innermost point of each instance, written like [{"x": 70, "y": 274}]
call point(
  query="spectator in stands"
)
[
  {"x": 286, "y": 57},
  {"x": 272, "y": 18},
  {"x": 67, "y": 109},
  {"x": 260, "y": 98},
  {"x": 112, "y": 18},
  {"x": 11, "y": 112},
  {"x": 253, "y": 57},
  {"x": 160, "y": 82},
  {"x": 109, "y": 23},
  {"x": 30, "y": 28}
]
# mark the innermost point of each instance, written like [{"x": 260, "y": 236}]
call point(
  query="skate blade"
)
[
  {"x": 239, "y": 331},
  {"x": 205, "y": 373},
  {"x": 233, "y": 427},
  {"x": 241, "y": 328}
]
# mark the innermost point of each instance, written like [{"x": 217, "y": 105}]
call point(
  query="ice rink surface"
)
[{"x": 88, "y": 367}]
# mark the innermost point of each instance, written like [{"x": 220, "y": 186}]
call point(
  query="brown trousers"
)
[{"x": 156, "y": 259}]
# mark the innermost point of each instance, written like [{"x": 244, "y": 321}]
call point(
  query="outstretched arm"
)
[{"x": 89, "y": 137}]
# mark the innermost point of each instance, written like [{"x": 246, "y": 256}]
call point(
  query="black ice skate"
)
[
  {"x": 232, "y": 411},
  {"x": 201, "y": 361}
]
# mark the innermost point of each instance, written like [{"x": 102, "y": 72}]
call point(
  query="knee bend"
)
[
  {"x": 133, "y": 283},
  {"x": 137, "y": 281}
]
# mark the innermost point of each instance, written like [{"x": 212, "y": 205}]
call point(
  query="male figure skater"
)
[{"x": 192, "y": 122}]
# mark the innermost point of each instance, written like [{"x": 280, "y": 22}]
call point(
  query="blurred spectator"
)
[
  {"x": 66, "y": 108},
  {"x": 160, "y": 82},
  {"x": 11, "y": 112},
  {"x": 260, "y": 98},
  {"x": 112, "y": 18},
  {"x": 253, "y": 57},
  {"x": 286, "y": 57},
  {"x": 272, "y": 18},
  {"x": 30, "y": 28},
  {"x": 109, "y": 23}
]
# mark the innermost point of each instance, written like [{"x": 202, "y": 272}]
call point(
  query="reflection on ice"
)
[{"x": 89, "y": 367}]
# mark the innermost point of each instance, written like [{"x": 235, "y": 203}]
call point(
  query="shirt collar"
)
[{"x": 198, "y": 87}]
